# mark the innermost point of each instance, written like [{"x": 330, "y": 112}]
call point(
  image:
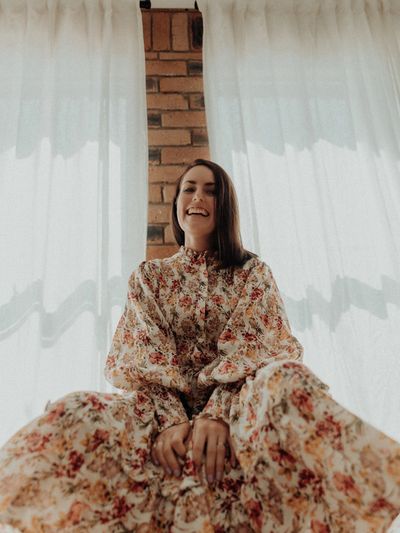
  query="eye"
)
[
  {"x": 188, "y": 189},
  {"x": 211, "y": 192}
]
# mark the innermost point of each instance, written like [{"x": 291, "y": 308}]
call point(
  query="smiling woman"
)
[
  {"x": 220, "y": 427},
  {"x": 195, "y": 207},
  {"x": 206, "y": 186}
]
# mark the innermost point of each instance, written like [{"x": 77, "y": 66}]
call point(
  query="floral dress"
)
[{"x": 198, "y": 340}]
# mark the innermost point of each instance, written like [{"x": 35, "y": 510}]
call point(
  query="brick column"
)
[{"x": 175, "y": 110}]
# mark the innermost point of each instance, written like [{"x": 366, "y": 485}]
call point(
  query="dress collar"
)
[{"x": 195, "y": 254}]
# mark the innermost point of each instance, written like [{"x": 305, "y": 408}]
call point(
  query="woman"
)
[{"x": 221, "y": 427}]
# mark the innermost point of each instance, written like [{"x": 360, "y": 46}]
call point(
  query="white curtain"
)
[
  {"x": 73, "y": 196},
  {"x": 303, "y": 109}
]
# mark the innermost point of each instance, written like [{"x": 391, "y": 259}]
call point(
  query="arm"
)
[
  {"x": 257, "y": 332},
  {"x": 143, "y": 351},
  {"x": 219, "y": 404}
]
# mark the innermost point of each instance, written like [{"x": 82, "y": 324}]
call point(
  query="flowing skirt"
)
[{"x": 306, "y": 464}]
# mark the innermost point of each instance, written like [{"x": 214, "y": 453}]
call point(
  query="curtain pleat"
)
[
  {"x": 302, "y": 103},
  {"x": 73, "y": 190}
]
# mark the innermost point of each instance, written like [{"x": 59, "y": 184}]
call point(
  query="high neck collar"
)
[{"x": 196, "y": 254}]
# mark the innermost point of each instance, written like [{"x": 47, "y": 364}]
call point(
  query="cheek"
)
[
  {"x": 180, "y": 210},
  {"x": 214, "y": 211}
]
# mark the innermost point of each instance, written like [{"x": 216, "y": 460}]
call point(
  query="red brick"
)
[
  {"x": 166, "y": 68},
  {"x": 168, "y": 193},
  {"x": 151, "y": 85},
  {"x": 159, "y": 252},
  {"x": 183, "y": 118},
  {"x": 166, "y": 101},
  {"x": 146, "y": 20},
  {"x": 155, "y": 234},
  {"x": 195, "y": 68},
  {"x": 184, "y": 154},
  {"x": 199, "y": 137},
  {"x": 196, "y": 101},
  {"x": 180, "y": 55},
  {"x": 190, "y": 84},
  {"x": 196, "y": 31},
  {"x": 164, "y": 137},
  {"x": 154, "y": 155},
  {"x": 161, "y": 31},
  {"x": 169, "y": 235},
  {"x": 155, "y": 194},
  {"x": 153, "y": 119},
  {"x": 165, "y": 173},
  {"x": 180, "y": 32},
  {"x": 157, "y": 214},
  {"x": 151, "y": 55}
]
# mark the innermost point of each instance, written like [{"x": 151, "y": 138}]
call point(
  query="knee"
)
[
  {"x": 78, "y": 401},
  {"x": 279, "y": 377},
  {"x": 281, "y": 372}
]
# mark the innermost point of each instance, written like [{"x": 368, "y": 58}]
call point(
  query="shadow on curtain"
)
[
  {"x": 302, "y": 103},
  {"x": 73, "y": 167}
]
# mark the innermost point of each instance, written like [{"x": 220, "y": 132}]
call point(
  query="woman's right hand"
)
[{"x": 168, "y": 444}]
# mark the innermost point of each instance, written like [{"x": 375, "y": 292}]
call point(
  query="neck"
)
[{"x": 198, "y": 244}]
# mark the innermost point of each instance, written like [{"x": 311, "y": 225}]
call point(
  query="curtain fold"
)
[
  {"x": 73, "y": 191},
  {"x": 303, "y": 109}
]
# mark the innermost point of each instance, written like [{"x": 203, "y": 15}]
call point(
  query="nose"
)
[{"x": 198, "y": 196}]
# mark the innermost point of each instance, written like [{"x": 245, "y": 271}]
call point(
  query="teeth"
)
[{"x": 197, "y": 211}]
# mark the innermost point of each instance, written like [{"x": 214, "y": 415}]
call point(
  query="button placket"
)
[{"x": 203, "y": 294}]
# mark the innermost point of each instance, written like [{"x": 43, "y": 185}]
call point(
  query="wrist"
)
[{"x": 207, "y": 416}]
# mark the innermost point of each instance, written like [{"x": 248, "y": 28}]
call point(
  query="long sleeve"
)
[
  {"x": 219, "y": 403},
  {"x": 257, "y": 332},
  {"x": 143, "y": 351}
]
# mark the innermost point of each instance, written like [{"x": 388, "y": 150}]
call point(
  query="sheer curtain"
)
[
  {"x": 303, "y": 109},
  {"x": 73, "y": 175}
]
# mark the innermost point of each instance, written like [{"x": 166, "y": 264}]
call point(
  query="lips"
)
[{"x": 197, "y": 211}]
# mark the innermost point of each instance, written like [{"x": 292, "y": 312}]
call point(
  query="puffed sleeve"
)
[
  {"x": 143, "y": 351},
  {"x": 256, "y": 333}
]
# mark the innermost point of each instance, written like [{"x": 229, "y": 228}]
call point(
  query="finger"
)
[
  {"x": 188, "y": 439},
  {"x": 220, "y": 459},
  {"x": 154, "y": 455},
  {"x": 178, "y": 447},
  {"x": 199, "y": 441},
  {"x": 161, "y": 457},
  {"x": 171, "y": 459},
  {"x": 211, "y": 458},
  {"x": 233, "y": 458}
]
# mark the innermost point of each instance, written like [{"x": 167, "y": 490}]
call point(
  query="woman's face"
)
[{"x": 196, "y": 204}]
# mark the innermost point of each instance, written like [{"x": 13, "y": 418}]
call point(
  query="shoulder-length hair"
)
[{"x": 227, "y": 240}]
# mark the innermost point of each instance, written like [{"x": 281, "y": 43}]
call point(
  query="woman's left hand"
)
[{"x": 211, "y": 437}]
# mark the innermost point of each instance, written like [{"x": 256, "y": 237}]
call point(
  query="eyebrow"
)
[{"x": 195, "y": 182}]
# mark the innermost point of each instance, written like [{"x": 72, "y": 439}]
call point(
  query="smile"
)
[{"x": 197, "y": 211}]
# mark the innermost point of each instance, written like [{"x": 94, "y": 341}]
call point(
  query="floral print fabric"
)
[
  {"x": 190, "y": 330},
  {"x": 196, "y": 340}
]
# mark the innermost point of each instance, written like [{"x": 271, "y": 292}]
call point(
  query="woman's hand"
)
[
  {"x": 213, "y": 438},
  {"x": 168, "y": 444}
]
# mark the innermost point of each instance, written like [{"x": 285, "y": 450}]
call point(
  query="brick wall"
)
[{"x": 175, "y": 110}]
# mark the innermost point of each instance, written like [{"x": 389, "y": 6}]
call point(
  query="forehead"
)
[{"x": 200, "y": 174}]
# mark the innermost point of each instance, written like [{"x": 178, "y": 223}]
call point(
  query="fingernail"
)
[
  {"x": 219, "y": 476},
  {"x": 169, "y": 471},
  {"x": 177, "y": 473},
  {"x": 210, "y": 479}
]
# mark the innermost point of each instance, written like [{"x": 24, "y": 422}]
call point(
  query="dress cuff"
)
[
  {"x": 219, "y": 404},
  {"x": 168, "y": 407}
]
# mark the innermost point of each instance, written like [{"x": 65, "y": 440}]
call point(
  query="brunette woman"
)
[{"x": 220, "y": 427}]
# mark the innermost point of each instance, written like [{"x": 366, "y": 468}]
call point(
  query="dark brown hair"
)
[{"x": 227, "y": 239}]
